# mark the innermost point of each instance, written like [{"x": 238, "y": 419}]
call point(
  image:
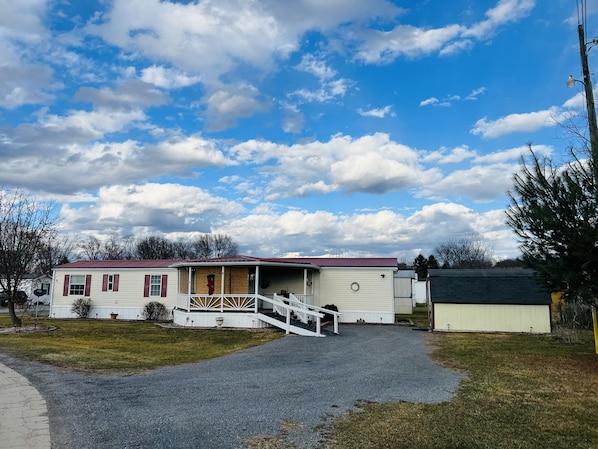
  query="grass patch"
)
[
  {"x": 419, "y": 316},
  {"x": 123, "y": 345},
  {"x": 521, "y": 391}
]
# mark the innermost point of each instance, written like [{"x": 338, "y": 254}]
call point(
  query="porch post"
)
[
  {"x": 256, "y": 286},
  {"x": 222, "y": 289},
  {"x": 305, "y": 282},
  {"x": 189, "y": 291}
]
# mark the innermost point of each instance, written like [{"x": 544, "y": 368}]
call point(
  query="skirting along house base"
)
[{"x": 295, "y": 294}]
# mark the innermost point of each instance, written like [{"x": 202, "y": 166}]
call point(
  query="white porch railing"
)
[
  {"x": 286, "y": 307},
  {"x": 280, "y": 305},
  {"x": 306, "y": 312},
  {"x": 306, "y": 299},
  {"x": 217, "y": 303}
]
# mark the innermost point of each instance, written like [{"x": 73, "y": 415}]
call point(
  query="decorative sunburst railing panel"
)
[
  {"x": 238, "y": 302},
  {"x": 244, "y": 303},
  {"x": 204, "y": 302}
]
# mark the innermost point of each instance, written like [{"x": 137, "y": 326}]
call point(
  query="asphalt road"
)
[{"x": 295, "y": 382}]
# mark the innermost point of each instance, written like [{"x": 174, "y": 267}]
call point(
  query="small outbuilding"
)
[{"x": 487, "y": 300}]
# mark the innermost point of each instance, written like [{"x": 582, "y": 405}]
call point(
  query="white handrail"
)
[
  {"x": 279, "y": 302},
  {"x": 335, "y": 315},
  {"x": 319, "y": 309},
  {"x": 282, "y": 305},
  {"x": 301, "y": 316},
  {"x": 306, "y": 309}
]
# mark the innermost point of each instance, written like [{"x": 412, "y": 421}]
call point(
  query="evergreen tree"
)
[{"x": 554, "y": 211}]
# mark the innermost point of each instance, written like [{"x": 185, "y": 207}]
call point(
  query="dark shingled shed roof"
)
[{"x": 486, "y": 286}]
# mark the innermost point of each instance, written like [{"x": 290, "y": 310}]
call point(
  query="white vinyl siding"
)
[
  {"x": 130, "y": 288},
  {"x": 375, "y": 293}
]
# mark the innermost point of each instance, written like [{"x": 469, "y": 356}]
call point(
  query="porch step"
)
[{"x": 296, "y": 326}]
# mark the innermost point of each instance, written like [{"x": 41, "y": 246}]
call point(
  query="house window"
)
[
  {"x": 77, "y": 285},
  {"x": 155, "y": 285},
  {"x": 46, "y": 288},
  {"x": 110, "y": 283},
  {"x": 193, "y": 280}
]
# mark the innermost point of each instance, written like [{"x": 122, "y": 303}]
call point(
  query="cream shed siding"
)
[
  {"x": 128, "y": 301},
  {"x": 359, "y": 293},
  {"x": 492, "y": 318}
]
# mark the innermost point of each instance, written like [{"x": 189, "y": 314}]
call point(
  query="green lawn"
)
[
  {"x": 419, "y": 316},
  {"x": 520, "y": 391},
  {"x": 124, "y": 345}
]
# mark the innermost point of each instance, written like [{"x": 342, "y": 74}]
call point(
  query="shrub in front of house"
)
[
  {"x": 329, "y": 316},
  {"x": 81, "y": 307},
  {"x": 155, "y": 311}
]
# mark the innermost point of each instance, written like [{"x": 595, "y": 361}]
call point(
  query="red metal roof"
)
[
  {"x": 382, "y": 262},
  {"x": 227, "y": 259},
  {"x": 389, "y": 262},
  {"x": 118, "y": 264}
]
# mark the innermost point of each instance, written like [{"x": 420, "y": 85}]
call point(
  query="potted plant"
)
[{"x": 113, "y": 315}]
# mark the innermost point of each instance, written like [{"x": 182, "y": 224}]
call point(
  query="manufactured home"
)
[
  {"x": 237, "y": 291},
  {"x": 35, "y": 289}
]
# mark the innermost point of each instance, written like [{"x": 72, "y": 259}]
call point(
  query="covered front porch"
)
[{"x": 249, "y": 293}]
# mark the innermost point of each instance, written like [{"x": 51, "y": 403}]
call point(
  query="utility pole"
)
[
  {"x": 589, "y": 90},
  {"x": 593, "y": 128}
]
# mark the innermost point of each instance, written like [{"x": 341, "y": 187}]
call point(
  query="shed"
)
[{"x": 487, "y": 300}]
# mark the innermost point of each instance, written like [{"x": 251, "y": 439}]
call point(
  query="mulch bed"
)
[{"x": 26, "y": 329}]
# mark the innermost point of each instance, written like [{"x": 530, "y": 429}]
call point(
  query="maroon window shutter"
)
[
  {"x": 115, "y": 282},
  {"x": 65, "y": 288},
  {"x": 87, "y": 284},
  {"x": 105, "y": 283},
  {"x": 164, "y": 285},
  {"x": 146, "y": 286}
]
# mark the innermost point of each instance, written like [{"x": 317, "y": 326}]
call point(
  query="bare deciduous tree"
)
[
  {"x": 92, "y": 248},
  {"x": 468, "y": 251},
  {"x": 214, "y": 245},
  {"x": 116, "y": 248},
  {"x": 54, "y": 251},
  {"x": 155, "y": 248},
  {"x": 25, "y": 226},
  {"x": 224, "y": 245}
]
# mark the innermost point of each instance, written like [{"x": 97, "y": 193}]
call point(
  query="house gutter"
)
[{"x": 244, "y": 263}]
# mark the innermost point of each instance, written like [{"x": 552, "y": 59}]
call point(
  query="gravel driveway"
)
[{"x": 292, "y": 383}]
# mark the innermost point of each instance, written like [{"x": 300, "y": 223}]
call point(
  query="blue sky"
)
[{"x": 343, "y": 128}]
